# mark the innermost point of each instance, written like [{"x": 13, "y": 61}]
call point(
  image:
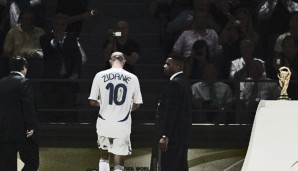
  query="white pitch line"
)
[{"x": 233, "y": 165}]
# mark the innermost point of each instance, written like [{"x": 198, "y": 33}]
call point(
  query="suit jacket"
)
[
  {"x": 175, "y": 111},
  {"x": 68, "y": 53},
  {"x": 17, "y": 111}
]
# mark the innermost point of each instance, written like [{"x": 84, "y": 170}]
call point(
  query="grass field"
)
[{"x": 80, "y": 159}]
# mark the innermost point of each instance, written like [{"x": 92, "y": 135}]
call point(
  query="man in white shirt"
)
[
  {"x": 117, "y": 93},
  {"x": 239, "y": 67},
  {"x": 200, "y": 31},
  {"x": 213, "y": 95},
  {"x": 256, "y": 88}
]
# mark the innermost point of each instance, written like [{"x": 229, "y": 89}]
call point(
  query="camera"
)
[
  {"x": 116, "y": 34},
  {"x": 237, "y": 23}
]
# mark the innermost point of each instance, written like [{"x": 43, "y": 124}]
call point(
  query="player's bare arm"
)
[
  {"x": 94, "y": 103},
  {"x": 135, "y": 106}
]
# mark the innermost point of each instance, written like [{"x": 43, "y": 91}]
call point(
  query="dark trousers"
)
[
  {"x": 28, "y": 151},
  {"x": 175, "y": 158}
]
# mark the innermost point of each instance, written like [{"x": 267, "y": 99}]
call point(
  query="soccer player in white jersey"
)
[{"x": 117, "y": 93}]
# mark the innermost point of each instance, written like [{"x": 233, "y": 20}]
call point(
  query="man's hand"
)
[
  {"x": 29, "y": 133},
  {"x": 38, "y": 54},
  {"x": 163, "y": 143}
]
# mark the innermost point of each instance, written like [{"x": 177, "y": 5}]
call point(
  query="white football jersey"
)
[{"x": 116, "y": 90}]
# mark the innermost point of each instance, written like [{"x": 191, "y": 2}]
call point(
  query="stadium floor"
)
[{"x": 82, "y": 159}]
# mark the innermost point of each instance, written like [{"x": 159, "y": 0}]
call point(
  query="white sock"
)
[
  {"x": 118, "y": 168},
  {"x": 103, "y": 165}
]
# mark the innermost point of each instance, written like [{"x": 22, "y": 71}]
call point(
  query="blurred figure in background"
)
[
  {"x": 212, "y": 95},
  {"x": 184, "y": 43},
  {"x": 62, "y": 60},
  {"x": 76, "y": 12},
  {"x": 23, "y": 40},
  {"x": 119, "y": 40},
  {"x": 257, "y": 88},
  {"x": 239, "y": 67}
]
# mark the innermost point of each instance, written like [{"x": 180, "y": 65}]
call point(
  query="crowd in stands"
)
[
  {"x": 245, "y": 42},
  {"x": 234, "y": 40},
  {"x": 53, "y": 53}
]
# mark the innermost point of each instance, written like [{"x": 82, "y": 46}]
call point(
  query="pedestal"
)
[{"x": 273, "y": 143}]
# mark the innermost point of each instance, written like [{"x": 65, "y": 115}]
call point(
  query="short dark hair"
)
[
  {"x": 198, "y": 46},
  {"x": 17, "y": 63},
  {"x": 176, "y": 56},
  {"x": 24, "y": 11},
  {"x": 178, "y": 59}
]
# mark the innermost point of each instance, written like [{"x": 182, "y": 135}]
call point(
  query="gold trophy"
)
[{"x": 284, "y": 76}]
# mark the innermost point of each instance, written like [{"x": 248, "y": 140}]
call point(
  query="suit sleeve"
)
[
  {"x": 29, "y": 112},
  {"x": 173, "y": 103},
  {"x": 77, "y": 56}
]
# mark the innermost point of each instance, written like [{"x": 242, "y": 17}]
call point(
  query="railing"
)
[
  {"x": 78, "y": 122},
  {"x": 151, "y": 91}
]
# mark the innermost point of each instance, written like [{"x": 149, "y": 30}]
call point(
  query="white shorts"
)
[{"x": 118, "y": 146}]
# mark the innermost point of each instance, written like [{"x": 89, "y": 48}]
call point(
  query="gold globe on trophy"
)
[{"x": 284, "y": 76}]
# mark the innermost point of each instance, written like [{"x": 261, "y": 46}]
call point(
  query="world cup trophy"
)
[{"x": 284, "y": 76}]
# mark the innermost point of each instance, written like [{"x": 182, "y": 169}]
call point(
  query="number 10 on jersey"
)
[{"x": 117, "y": 94}]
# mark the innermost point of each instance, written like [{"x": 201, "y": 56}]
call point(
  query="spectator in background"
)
[
  {"x": 76, "y": 12},
  {"x": 257, "y": 89},
  {"x": 289, "y": 58},
  {"x": 184, "y": 19},
  {"x": 239, "y": 67},
  {"x": 122, "y": 43},
  {"x": 237, "y": 28},
  {"x": 221, "y": 11},
  {"x": 273, "y": 18},
  {"x": 199, "y": 32},
  {"x": 62, "y": 60},
  {"x": 168, "y": 9},
  {"x": 23, "y": 40},
  {"x": 199, "y": 57},
  {"x": 19, "y": 5},
  {"x": 293, "y": 31},
  {"x": 212, "y": 95},
  {"x": 181, "y": 21}
]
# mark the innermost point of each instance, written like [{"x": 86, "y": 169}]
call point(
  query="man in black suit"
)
[
  {"x": 62, "y": 60},
  {"x": 18, "y": 120},
  {"x": 175, "y": 117}
]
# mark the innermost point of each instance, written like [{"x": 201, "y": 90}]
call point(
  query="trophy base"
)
[{"x": 284, "y": 97}]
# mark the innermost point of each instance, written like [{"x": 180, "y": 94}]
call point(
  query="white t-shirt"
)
[{"x": 116, "y": 90}]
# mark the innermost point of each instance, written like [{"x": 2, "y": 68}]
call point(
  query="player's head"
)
[
  {"x": 18, "y": 64},
  {"x": 117, "y": 58},
  {"x": 174, "y": 64}
]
